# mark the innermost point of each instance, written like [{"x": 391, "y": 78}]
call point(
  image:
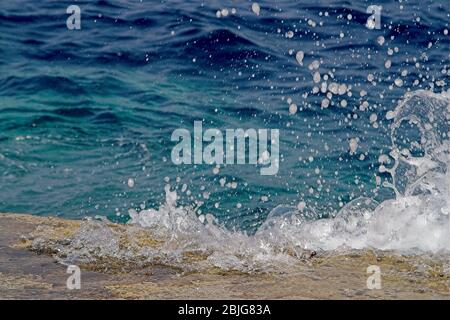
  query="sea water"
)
[{"x": 86, "y": 117}]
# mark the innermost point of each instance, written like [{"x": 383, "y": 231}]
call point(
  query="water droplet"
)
[
  {"x": 301, "y": 205},
  {"x": 256, "y": 8},
  {"x": 353, "y": 144},
  {"x": 299, "y": 56},
  {"x": 316, "y": 77},
  {"x": 398, "y": 82},
  {"x": 325, "y": 103},
  {"x": 380, "y": 40},
  {"x": 293, "y": 108}
]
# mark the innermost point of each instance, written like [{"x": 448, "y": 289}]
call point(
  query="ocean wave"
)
[
  {"x": 83, "y": 111},
  {"x": 416, "y": 221}
]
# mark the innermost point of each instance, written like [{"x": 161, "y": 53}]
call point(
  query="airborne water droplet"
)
[
  {"x": 256, "y": 8},
  {"x": 301, "y": 206},
  {"x": 353, "y": 144},
  {"x": 293, "y": 108},
  {"x": 299, "y": 56},
  {"x": 398, "y": 82}
]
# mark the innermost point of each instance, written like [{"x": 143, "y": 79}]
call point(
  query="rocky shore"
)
[{"x": 29, "y": 273}]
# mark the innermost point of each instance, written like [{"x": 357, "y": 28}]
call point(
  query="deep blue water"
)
[{"x": 83, "y": 111}]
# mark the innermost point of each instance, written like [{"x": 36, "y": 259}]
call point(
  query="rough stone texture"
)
[{"x": 27, "y": 275}]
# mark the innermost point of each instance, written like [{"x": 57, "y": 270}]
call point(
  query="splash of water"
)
[{"x": 417, "y": 220}]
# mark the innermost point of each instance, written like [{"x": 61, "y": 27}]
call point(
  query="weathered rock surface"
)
[{"x": 26, "y": 274}]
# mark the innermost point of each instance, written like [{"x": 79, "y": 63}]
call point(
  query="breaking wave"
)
[{"x": 416, "y": 221}]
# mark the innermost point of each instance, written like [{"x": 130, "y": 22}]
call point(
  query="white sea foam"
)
[{"x": 417, "y": 220}]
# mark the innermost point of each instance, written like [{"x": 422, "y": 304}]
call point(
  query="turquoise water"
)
[{"x": 84, "y": 111}]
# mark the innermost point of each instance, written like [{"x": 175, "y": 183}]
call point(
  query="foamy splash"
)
[{"x": 416, "y": 221}]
